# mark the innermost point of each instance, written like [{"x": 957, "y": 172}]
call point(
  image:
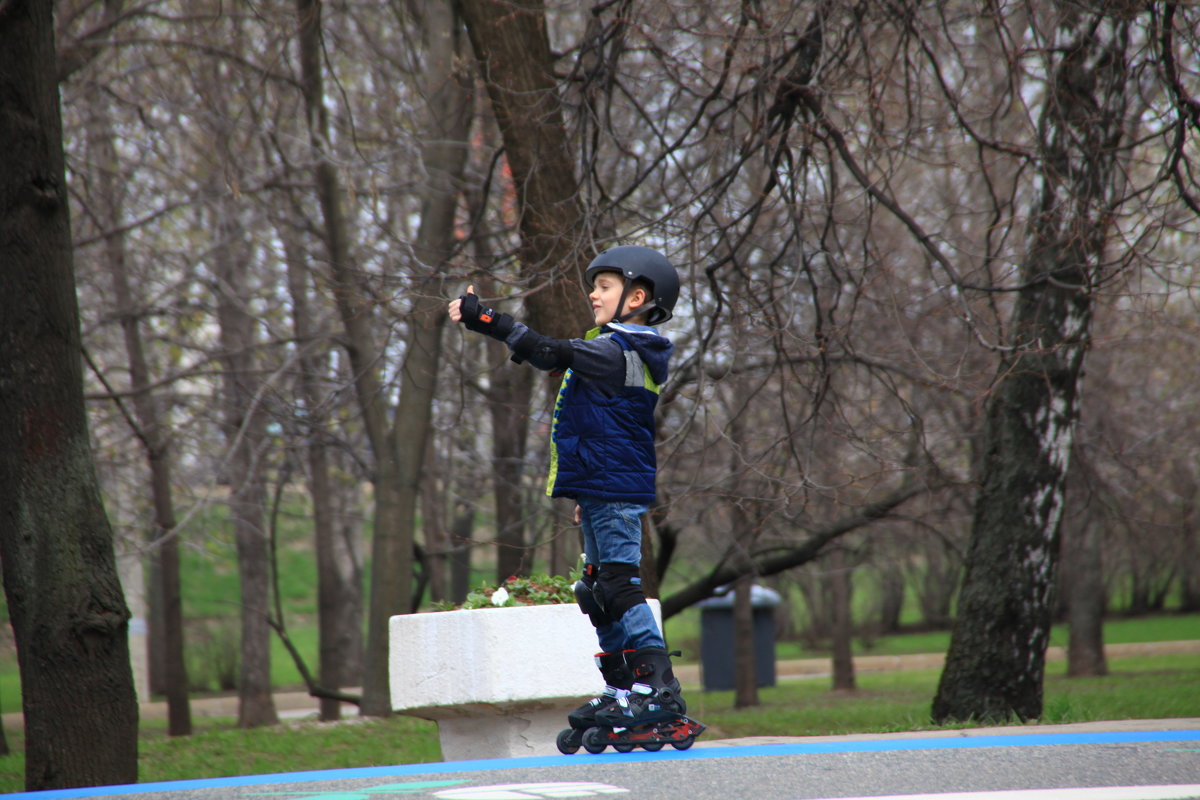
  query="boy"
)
[{"x": 602, "y": 456}]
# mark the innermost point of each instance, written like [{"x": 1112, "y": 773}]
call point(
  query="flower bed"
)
[
  {"x": 535, "y": 590},
  {"x": 499, "y": 681}
]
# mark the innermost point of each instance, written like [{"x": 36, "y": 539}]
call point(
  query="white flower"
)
[{"x": 500, "y": 596}]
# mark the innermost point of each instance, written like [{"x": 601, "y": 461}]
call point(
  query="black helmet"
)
[{"x": 641, "y": 264}]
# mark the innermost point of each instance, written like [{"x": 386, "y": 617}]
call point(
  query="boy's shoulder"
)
[
  {"x": 645, "y": 339},
  {"x": 654, "y": 349},
  {"x": 633, "y": 329}
]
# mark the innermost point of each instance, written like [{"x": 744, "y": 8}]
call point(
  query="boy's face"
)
[{"x": 606, "y": 294}]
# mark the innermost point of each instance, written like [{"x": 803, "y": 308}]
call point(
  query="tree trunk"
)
[
  {"x": 508, "y": 404},
  {"x": 513, "y": 48},
  {"x": 446, "y": 128},
  {"x": 842, "y": 627},
  {"x": 745, "y": 661},
  {"x": 1189, "y": 559},
  {"x": 1085, "y": 647},
  {"x": 891, "y": 603},
  {"x": 348, "y": 551},
  {"x": 166, "y": 627},
  {"x": 460, "y": 554},
  {"x": 338, "y": 621},
  {"x": 245, "y": 430},
  {"x": 511, "y": 44},
  {"x": 434, "y": 525},
  {"x": 391, "y": 556},
  {"x": 65, "y": 602},
  {"x": 390, "y": 589},
  {"x": 398, "y": 450},
  {"x": 996, "y": 662},
  {"x": 414, "y": 410},
  {"x": 651, "y": 584},
  {"x": 256, "y": 703},
  {"x": 936, "y": 584}
]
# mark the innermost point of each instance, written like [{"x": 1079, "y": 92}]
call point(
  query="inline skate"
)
[
  {"x": 650, "y": 715},
  {"x": 618, "y": 678}
]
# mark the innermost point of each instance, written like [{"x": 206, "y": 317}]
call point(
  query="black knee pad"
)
[
  {"x": 618, "y": 588},
  {"x": 586, "y": 598}
]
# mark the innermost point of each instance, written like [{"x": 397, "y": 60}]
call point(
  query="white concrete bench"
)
[{"x": 499, "y": 682}]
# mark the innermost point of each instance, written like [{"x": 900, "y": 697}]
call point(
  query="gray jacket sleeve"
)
[{"x": 600, "y": 360}]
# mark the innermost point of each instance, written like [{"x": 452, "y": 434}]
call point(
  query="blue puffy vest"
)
[{"x": 602, "y": 444}]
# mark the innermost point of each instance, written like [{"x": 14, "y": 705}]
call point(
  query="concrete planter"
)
[{"x": 498, "y": 681}]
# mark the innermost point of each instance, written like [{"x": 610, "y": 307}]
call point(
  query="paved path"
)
[{"x": 1140, "y": 760}]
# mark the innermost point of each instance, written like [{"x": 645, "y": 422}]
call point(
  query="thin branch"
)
[{"x": 764, "y": 565}]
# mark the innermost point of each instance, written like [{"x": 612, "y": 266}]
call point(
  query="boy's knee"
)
[
  {"x": 585, "y": 596},
  {"x": 618, "y": 588}
]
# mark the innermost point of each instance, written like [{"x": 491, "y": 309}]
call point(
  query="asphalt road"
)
[{"x": 1135, "y": 760}]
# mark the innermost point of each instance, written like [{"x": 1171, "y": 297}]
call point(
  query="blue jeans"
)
[{"x": 612, "y": 533}]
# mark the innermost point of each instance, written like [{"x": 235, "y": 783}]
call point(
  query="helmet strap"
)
[
  {"x": 619, "y": 317},
  {"x": 646, "y": 308}
]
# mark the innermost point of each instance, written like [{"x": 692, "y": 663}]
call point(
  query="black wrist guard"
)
[
  {"x": 543, "y": 352},
  {"x": 487, "y": 321}
]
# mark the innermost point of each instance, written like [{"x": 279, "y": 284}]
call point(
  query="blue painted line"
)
[{"x": 730, "y": 751}]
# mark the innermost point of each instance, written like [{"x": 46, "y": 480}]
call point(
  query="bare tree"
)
[
  {"x": 392, "y": 546},
  {"x": 995, "y": 666},
  {"x": 512, "y": 48},
  {"x": 245, "y": 472},
  {"x": 446, "y": 124},
  {"x": 399, "y": 439},
  {"x": 166, "y": 628},
  {"x": 839, "y": 578},
  {"x": 339, "y": 590},
  {"x": 1085, "y": 647},
  {"x": 745, "y": 655},
  {"x": 68, "y": 614},
  {"x": 511, "y": 44}
]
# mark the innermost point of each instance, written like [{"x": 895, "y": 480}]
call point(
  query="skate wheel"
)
[
  {"x": 623, "y": 747},
  {"x": 684, "y": 744},
  {"x": 653, "y": 747},
  {"x": 568, "y": 741},
  {"x": 593, "y": 741}
]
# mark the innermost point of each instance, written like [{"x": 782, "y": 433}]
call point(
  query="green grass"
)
[
  {"x": 208, "y": 563},
  {"x": 1137, "y": 688},
  {"x": 219, "y": 749},
  {"x": 683, "y": 632}
]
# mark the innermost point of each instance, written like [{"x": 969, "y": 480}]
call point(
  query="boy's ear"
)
[{"x": 637, "y": 298}]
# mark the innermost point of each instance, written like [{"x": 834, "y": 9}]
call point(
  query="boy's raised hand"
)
[
  {"x": 467, "y": 310},
  {"x": 455, "y": 309}
]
